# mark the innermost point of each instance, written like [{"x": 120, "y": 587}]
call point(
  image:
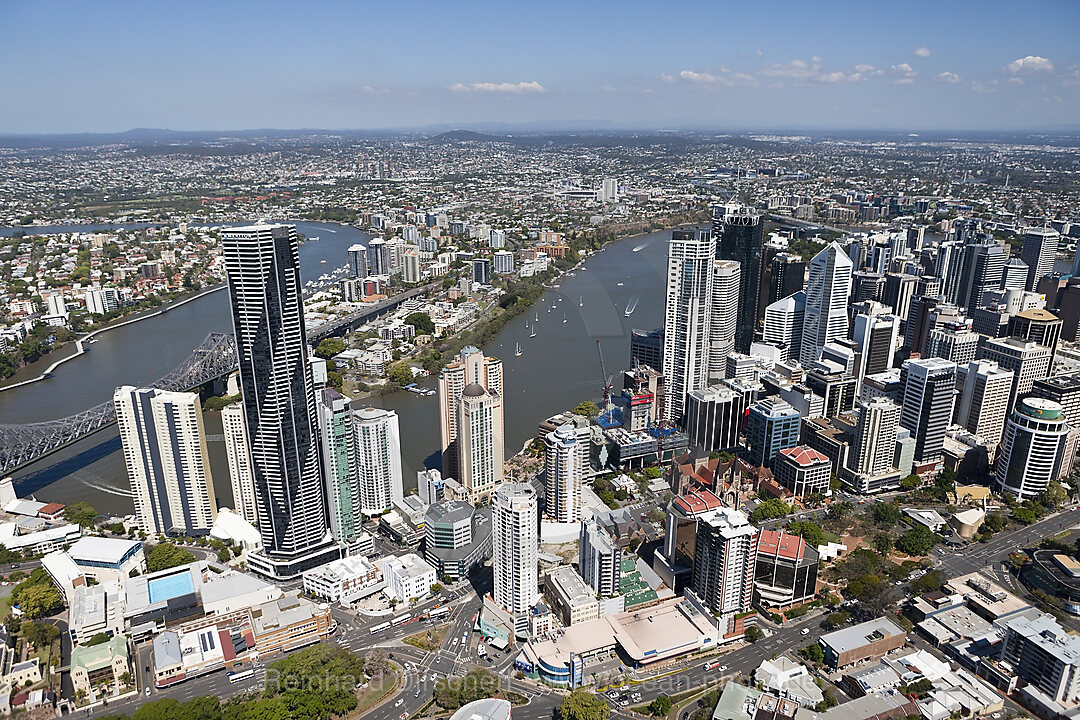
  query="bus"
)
[
  {"x": 235, "y": 677},
  {"x": 711, "y": 665},
  {"x": 439, "y": 611},
  {"x": 379, "y": 628},
  {"x": 400, "y": 620}
]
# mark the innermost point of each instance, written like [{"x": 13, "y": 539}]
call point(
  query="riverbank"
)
[{"x": 90, "y": 337}]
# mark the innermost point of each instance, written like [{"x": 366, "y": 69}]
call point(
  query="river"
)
[{"x": 558, "y": 368}]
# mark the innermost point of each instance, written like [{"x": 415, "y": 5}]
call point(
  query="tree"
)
[
  {"x": 1024, "y": 515},
  {"x": 329, "y": 347},
  {"x": 883, "y": 542},
  {"x": 80, "y": 513},
  {"x": 587, "y": 409},
  {"x": 813, "y": 653},
  {"x": 660, "y": 706},
  {"x": 166, "y": 555},
  {"x": 40, "y": 600},
  {"x": 836, "y": 619},
  {"x": 97, "y": 639},
  {"x": 400, "y": 373},
  {"x": 810, "y": 531},
  {"x": 932, "y": 580},
  {"x": 653, "y": 473},
  {"x": 911, "y": 482},
  {"x": 582, "y": 705},
  {"x": 335, "y": 379},
  {"x": 40, "y": 634},
  {"x": 377, "y": 663},
  {"x": 770, "y": 510},
  {"x": 753, "y": 633},
  {"x": 886, "y": 514},
  {"x": 422, "y": 322},
  {"x": 919, "y": 540}
]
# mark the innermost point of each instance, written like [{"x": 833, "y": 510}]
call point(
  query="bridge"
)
[
  {"x": 352, "y": 321},
  {"x": 22, "y": 444}
]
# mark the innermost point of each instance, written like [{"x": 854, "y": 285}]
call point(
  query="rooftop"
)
[
  {"x": 101, "y": 550},
  {"x": 856, "y": 636},
  {"x": 805, "y": 456},
  {"x": 486, "y": 709},
  {"x": 780, "y": 544},
  {"x": 698, "y": 502}
]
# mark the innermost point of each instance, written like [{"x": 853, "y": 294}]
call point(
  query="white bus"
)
[
  {"x": 439, "y": 611},
  {"x": 379, "y": 628},
  {"x": 235, "y": 677},
  {"x": 400, "y": 620}
]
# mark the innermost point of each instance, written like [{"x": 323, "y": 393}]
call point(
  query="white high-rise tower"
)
[
  {"x": 687, "y": 317},
  {"x": 564, "y": 469},
  {"x": 724, "y": 315},
  {"x": 239, "y": 459},
  {"x": 826, "y": 316},
  {"x": 515, "y": 540},
  {"x": 378, "y": 459}
]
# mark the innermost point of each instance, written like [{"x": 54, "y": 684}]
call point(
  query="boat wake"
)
[
  {"x": 105, "y": 487},
  {"x": 631, "y": 306},
  {"x": 641, "y": 247}
]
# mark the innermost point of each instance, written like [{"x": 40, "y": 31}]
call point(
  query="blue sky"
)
[{"x": 912, "y": 65}]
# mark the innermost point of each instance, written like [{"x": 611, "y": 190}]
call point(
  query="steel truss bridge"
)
[{"x": 24, "y": 443}]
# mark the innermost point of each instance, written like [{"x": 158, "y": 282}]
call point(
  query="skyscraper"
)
[
  {"x": 1029, "y": 362},
  {"x": 339, "y": 465},
  {"x": 378, "y": 459},
  {"x": 953, "y": 340},
  {"x": 725, "y": 552},
  {"x": 771, "y": 426},
  {"x": 647, "y": 348},
  {"x": 739, "y": 233},
  {"x": 238, "y": 456},
  {"x": 1038, "y": 252},
  {"x": 358, "y": 264},
  {"x": 515, "y": 542},
  {"x": 480, "y": 441},
  {"x": 564, "y": 469},
  {"x": 687, "y": 317},
  {"x": 598, "y": 558},
  {"x": 784, "y": 325},
  {"x": 875, "y": 438},
  {"x": 786, "y": 278},
  {"x": 983, "y": 401},
  {"x": 378, "y": 257},
  {"x": 927, "y": 391},
  {"x": 827, "y": 294},
  {"x": 262, "y": 265},
  {"x": 472, "y": 366},
  {"x": 165, "y": 452},
  {"x": 713, "y": 418},
  {"x": 875, "y": 334},
  {"x": 1032, "y": 449},
  {"x": 984, "y": 266},
  {"x": 724, "y": 314}
]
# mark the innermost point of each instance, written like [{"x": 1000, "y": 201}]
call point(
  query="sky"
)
[{"x": 752, "y": 65}]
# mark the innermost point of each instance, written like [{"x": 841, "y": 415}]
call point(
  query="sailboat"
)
[
  {"x": 518, "y": 350},
  {"x": 536, "y": 318},
  {"x": 532, "y": 331}
]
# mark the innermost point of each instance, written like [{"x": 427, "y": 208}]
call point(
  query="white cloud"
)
[
  {"x": 922, "y": 51},
  {"x": 607, "y": 88},
  {"x": 702, "y": 77},
  {"x": 720, "y": 78},
  {"x": 949, "y": 77},
  {"x": 817, "y": 60},
  {"x": 904, "y": 73},
  {"x": 501, "y": 87},
  {"x": 1030, "y": 64},
  {"x": 665, "y": 78},
  {"x": 864, "y": 69}
]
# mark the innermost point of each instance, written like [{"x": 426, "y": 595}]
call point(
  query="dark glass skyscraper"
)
[
  {"x": 738, "y": 230},
  {"x": 262, "y": 264}
]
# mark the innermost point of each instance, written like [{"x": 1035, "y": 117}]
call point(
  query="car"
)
[
  {"x": 417, "y": 694},
  {"x": 423, "y": 679},
  {"x": 399, "y": 703},
  {"x": 722, "y": 668},
  {"x": 613, "y": 695},
  {"x": 403, "y": 716},
  {"x": 454, "y": 644},
  {"x": 624, "y": 703},
  {"x": 806, "y": 631},
  {"x": 147, "y": 692}
]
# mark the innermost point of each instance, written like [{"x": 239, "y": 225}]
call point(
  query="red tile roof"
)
[
  {"x": 785, "y": 545},
  {"x": 804, "y": 456},
  {"x": 698, "y": 502}
]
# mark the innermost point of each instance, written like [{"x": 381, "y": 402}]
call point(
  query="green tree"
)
[
  {"x": 932, "y": 580},
  {"x": 582, "y": 705},
  {"x": 809, "y": 530},
  {"x": 587, "y": 409},
  {"x": 422, "y": 322},
  {"x": 40, "y": 634},
  {"x": 653, "y": 473},
  {"x": 770, "y": 510},
  {"x": 80, "y": 513},
  {"x": 919, "y": 540},
  {"x": 886, "y": 514},
  {"x": 335, "y": 379},
  {"x": 1024, "y": 515},
  {"x": 836, "y": 619},
  {"x": 399, "y": 372},
  {"x": 883, "y": 543},
  {"x": 813, "y": 653},
  {"x": 660, "y": 706},
  {"x": 330, "y": 347},
  {"x": 40, "y": 600},
  {"x": 753, "y": 633},
  {"x": 911, "y": 482},
  {"x": 166, "y": 555}
]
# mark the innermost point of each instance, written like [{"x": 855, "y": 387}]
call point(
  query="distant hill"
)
[{"x": 464, "y": 135}]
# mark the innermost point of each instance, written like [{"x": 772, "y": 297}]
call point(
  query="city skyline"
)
[{"x": 960, "y": 66}]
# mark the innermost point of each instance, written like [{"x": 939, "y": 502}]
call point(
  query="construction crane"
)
[{"x": 607, "y": 379}]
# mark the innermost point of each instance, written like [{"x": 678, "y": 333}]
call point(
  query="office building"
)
[
  {"x": 165, "y": 453},
  {"x": 378, "y": 257},
  {"x": 738, "y": 230},
  {"x": 262, "y": 264},
  {"x": 687, "y": 318},
  {"x": 900, "y": 292},
  {"x": 515, "y": 542},
  {"x": 570, "y": 597},
  {"x": 827, "y": 291},
  {"x": 1039, "y": 326},
  {"x": 724, "y": 314},
  {"x": 1064, "y": 390},
  {"x": 609, "y": 190},
  {"x": 875, "y": 335},
  {"x": 714, "y": 416},
  {"x": 457, "y": 538},
  {"x": 480, "y": 442},
  {"x": 647, "y": 348},
  {"x": 787, "y": 277},
  {"x": 503, "y": 262},
  {"x": 340, "y": 465},
  {"x": 869, "y": 640},
  {"x": 837, "y": 389},
  {"x": 1038, "y": 252},
  {"x": 725, "y": 554},
  {"x": 1045, "y": 655},
  {"x": 982, "y": 404},
  {"x": 783, "y": 325},
  {"x": 238, "y": 457},
  {"x": 984, "y": 266},
  {"x": 566, "y": 461},
  {"x": 1033, "y": 448},
  {"x": 378, "y": 459},
  {"x": 599, "y": 556},
  {"x": 954, "y": 341},
  {"x": 875, "y": 438},
  {"x": 1029, "y": 362},
  {"x": 866, "y": 286},
  {"x": 472, "y": 366},
  {"x": 785, "y": 569},
  {"x": 1014, "y": 275},
  {"x": 771, "y": 426},
  {"x": 927, "y": 390},
  {"x": 803, "y": 470},
  {"x": 408, "y": 577},
  {"x": 481, "y": 271},
  {"x": 102, "y": 300},
  {"x": 358, "y": 264}
]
